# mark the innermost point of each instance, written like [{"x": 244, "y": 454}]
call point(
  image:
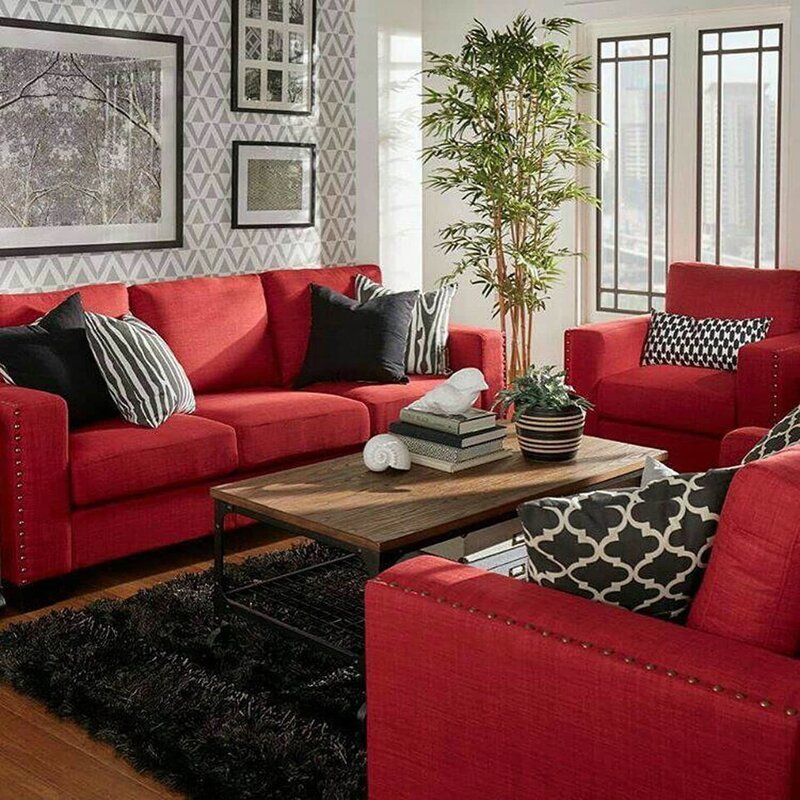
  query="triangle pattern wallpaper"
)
[{"x": 211, "y": 247}]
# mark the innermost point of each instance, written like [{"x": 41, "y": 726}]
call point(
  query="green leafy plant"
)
[
  {"x": 540, "y": 388},
  {"x": 506, "y": 135}
]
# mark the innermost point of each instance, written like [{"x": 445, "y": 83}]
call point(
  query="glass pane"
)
[
  {"x": 634, "y": 47},
  {"x": 608, "y": 170},
  {"x": 660, "y": 173},
  {"x": 634, "y": 167},
  {"x": 738, "y": 167},
  {"x": 608, "y": 50},
  {"x": 740, "y": 40},
  {"x": 710, "y": 41},
  {"x": 658, "y": 303},
  {"x": 708, "y": 160},
  {"x": 661, "y": 46},
  {"x": 769, "y": 158},
  {"x": 634, "y": 302},
  {"x": 772, "y": 37},
  {"x": 607, "y": 300}
]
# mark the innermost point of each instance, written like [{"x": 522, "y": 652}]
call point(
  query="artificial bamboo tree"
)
[{"x": 505, "y": 132}]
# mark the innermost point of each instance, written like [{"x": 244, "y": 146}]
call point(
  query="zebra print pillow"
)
[
  {"x": 145, "y": 380},
  {"x": 426, "y": 351}
]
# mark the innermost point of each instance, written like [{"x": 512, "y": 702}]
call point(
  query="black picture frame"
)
[
  {"x": 174, "y": 241},
  {"x": 236, "y": 147},
  {"x": 234, "y": 89}
]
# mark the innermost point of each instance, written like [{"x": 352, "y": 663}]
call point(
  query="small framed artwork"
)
[
  {"x": 273, "y": 185},
  {"x": 272, "y": 59},
  {"x": 91, "y": 132}
]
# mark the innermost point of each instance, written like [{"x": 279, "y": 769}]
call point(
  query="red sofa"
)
[
  {"x": 480, "y": 686},
  {"x": 71, "y": 499},
  {"x": 687, "y": 410}
]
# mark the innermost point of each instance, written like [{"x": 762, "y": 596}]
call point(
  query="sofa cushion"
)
[
  {"x": 104, "y": 298},
  {"x": 384, "y": 401},
  {"x": 289, "y": 300},
  {"x": 751, "y": 590},
  {"x": 217, "y": 328},
  {"x": 706, "y": 290},
  {"x": 114, "y": 459},
  {"x": 275, "y": 425},
  {"x": 681, "y": 398}
]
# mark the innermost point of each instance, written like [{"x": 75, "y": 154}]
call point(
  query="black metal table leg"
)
[{"x": 221, "y": 511}]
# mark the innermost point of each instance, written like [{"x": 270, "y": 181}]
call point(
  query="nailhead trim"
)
[
  {"x": 691, "y": 680},
  {"x": 19, "y": 470}
]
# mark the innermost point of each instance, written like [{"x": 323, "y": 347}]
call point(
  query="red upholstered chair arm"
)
[
  {"x": 768, "y": 380},
  {"x": 482, "y": 348},
  {"x": 481, "y": 686},
  {"x": 593, "y": 352},
  {"x": 737, "y": 444},
  {"x": 34, "y": 486}
]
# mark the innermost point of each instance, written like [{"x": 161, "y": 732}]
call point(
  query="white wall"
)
[{"x": 389, "y": 141}]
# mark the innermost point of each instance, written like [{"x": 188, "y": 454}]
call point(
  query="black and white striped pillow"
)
[
  {"x": 426, "y": 351},
  {"x": 145, "y": 380}
]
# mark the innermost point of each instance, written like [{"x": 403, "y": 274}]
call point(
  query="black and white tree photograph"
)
[{"x": 88, "y": 141}]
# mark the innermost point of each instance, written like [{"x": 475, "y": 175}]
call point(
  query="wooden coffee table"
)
[{"x": 381, "y": 517}]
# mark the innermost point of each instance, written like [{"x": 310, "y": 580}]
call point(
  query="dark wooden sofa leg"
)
[{"x": 36, "y": 595}]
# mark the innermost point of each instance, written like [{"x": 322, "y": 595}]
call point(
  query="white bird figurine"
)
[
  {"x": 458, "y": 393},
  {"x": 384, "y": 451}
]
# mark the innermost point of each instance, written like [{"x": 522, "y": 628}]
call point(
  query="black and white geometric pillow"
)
[
  {"x": 644, "y": 550},
  {"x": 691, "y": 342},
  {"x": 426, "y": 351},
  {"x": 145, "y": 380},
  {"x": 783, "y": 434}
]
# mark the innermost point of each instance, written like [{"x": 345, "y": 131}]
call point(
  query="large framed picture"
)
[
  {"x": 272, "y": 58},
  {"x": 273, "y": 185},
  {"x": 91, "y": 132}
]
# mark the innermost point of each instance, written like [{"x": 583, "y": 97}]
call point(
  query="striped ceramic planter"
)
[{"x": 549, "y": 435}]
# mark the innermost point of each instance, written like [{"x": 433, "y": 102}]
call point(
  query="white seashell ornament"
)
[
  {"x": 384, "y": 451},
  {"x": 458, "y": 393}
]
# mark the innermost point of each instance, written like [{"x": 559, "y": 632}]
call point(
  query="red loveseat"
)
[
  {"x": 71, "y": 499},
  {"x": 480, "y": 686},
  {"x": 688, "y": 410}
]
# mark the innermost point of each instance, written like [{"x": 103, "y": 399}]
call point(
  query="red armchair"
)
[
  {"x": 687, "y": 410},
  {"x": 480, "y": 686}
]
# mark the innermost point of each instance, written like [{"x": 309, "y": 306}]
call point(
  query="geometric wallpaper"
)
[{"x": 210, "y": 246}]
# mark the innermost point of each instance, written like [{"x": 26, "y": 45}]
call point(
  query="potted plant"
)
[
  {"x": 549, "y": 415},
  {"x": 504, "y": 133}
]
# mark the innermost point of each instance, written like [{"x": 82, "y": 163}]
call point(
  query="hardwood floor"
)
[{"x": 43, "y": 757}]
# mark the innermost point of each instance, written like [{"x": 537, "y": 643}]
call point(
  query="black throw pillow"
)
[
  {"x": 352, "y": 341},
  {"x": 644, "y": 549},
  {"x": 53, "y": 355}
]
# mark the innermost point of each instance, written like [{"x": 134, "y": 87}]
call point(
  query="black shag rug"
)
[{"x": 252, "y": 715}]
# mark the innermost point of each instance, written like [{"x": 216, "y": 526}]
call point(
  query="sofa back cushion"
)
[
  {"x": 751, "y": 590},
  {"x": 705, "y": 290},
  {"x": 110, "y": 299},
  {"x": 289, "y": 301},
  {"x": 217, "y": 328}
]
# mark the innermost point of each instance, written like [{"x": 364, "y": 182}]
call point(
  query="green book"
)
[{"x": 471, "y": 421}]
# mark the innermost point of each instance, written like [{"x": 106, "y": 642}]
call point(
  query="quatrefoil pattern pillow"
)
[
  {"x": 691, "y": 342},
  {"x": 644, "y": 550},
  {"x": 783, "y": 434}
]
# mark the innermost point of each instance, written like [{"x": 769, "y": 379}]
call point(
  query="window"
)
[
  {"x": 690, "y": 132},
  {"x": 739, "y": 146},
  {"x": 632, "y": 234}
]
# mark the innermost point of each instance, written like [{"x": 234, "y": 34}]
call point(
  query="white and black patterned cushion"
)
[
  {"x": 691, "y": 342},
  {"x": 426, "y": 350},
  {"x": 783, "y": 434},
  {"x": 644, "y": 550},
  {"x": 145, "y": 380}
]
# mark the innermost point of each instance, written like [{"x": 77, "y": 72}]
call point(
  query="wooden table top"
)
[{"x": 342, "y": 500}]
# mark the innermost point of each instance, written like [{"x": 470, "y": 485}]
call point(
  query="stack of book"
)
[{"x": 452, "y": 442}]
